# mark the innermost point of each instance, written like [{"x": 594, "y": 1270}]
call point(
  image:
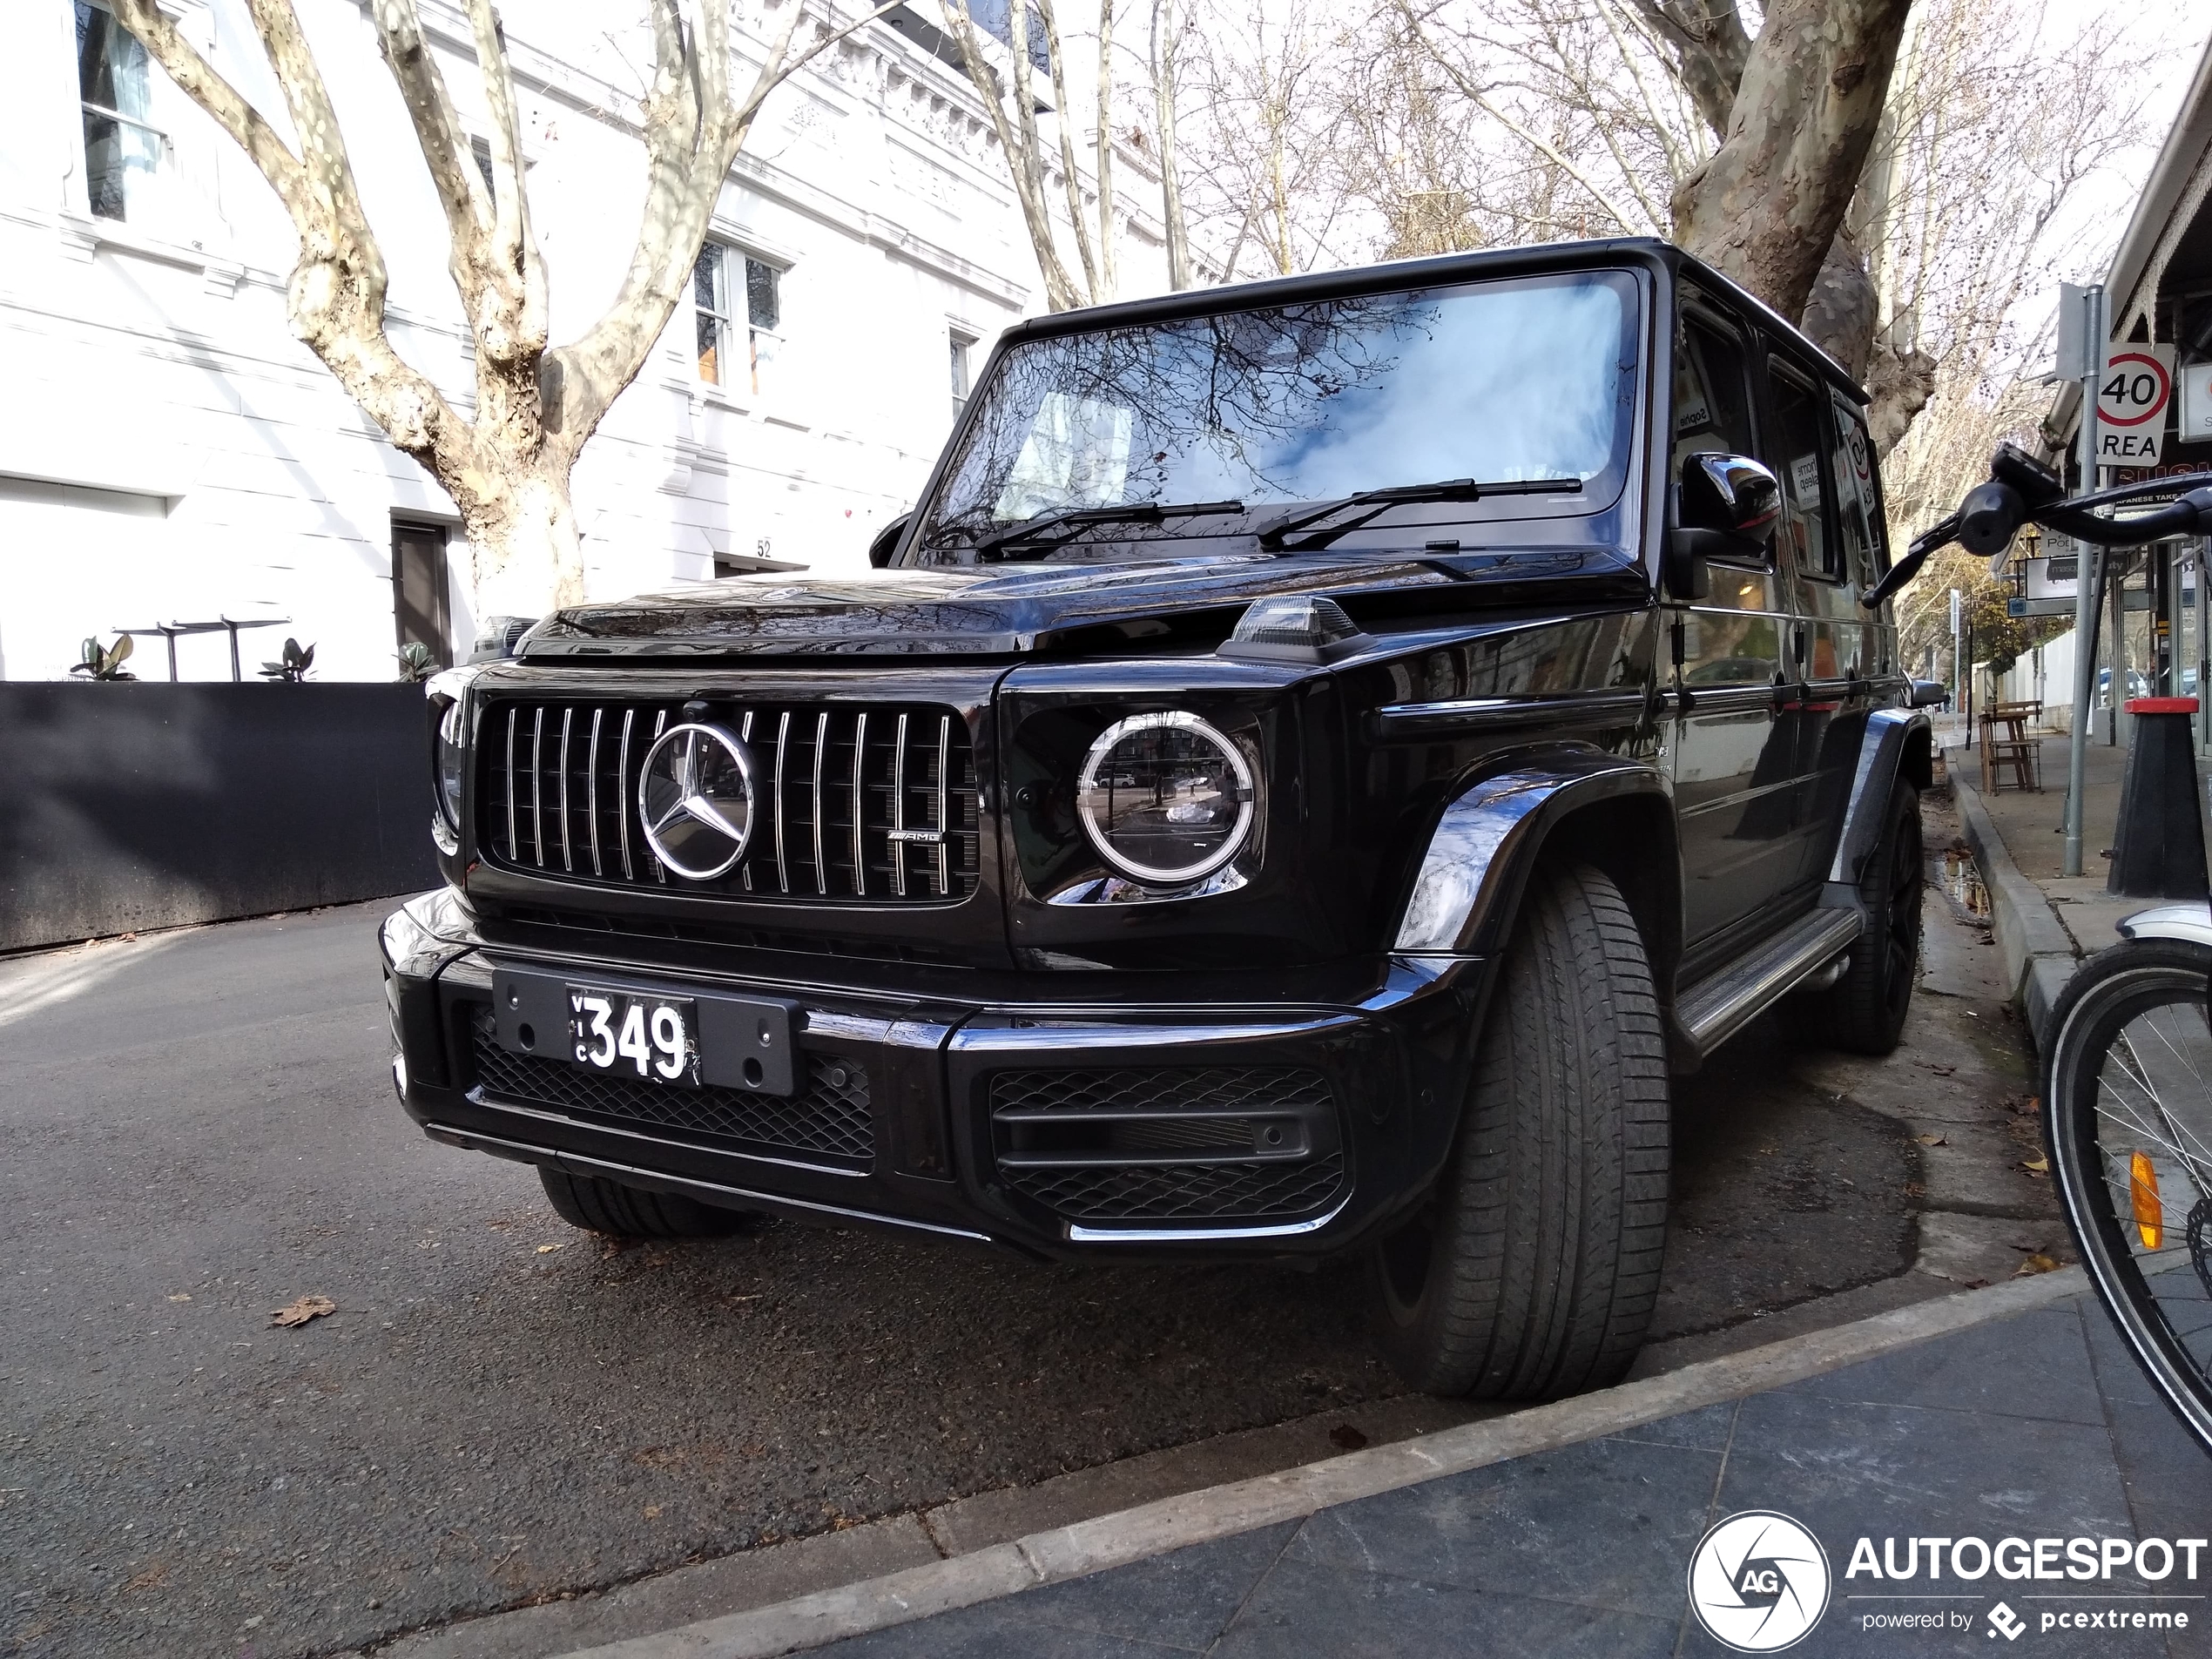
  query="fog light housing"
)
[{"x": 1165, "y": 798}]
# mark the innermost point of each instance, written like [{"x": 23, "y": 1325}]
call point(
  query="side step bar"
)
[{"x": 1717, "y": 1008}]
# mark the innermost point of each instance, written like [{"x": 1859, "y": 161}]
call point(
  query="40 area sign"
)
[{"x": 2132, "y": 395}]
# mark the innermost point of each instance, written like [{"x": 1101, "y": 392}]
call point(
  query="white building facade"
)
[{"x": 168, "y": 453}]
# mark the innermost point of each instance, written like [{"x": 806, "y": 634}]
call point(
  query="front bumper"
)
[{"x": 1112, "y": 1128}]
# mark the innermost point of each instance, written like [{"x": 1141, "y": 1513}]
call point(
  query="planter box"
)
[{"x": 132, "y": 805}]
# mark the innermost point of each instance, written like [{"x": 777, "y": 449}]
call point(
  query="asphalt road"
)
[{"x": 199, "y": 1129}]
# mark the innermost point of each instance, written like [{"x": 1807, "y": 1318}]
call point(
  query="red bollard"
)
[{"x": 2159, "y": 850}]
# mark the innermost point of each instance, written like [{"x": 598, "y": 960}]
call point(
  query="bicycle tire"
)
[{"x": 2135, "y": 1021}]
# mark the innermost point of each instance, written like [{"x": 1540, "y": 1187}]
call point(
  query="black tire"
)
[
  {"x": 2126, "y": 1069},
  {"x": 603, "y": 1206},
  {"x": 1863, "y": 1012},
  {"x": 1533, "y": 1268}
]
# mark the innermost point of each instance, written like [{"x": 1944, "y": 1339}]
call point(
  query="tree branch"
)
[{"x": 1071, "y": 181}]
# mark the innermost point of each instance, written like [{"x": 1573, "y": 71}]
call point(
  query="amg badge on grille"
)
[{"x": 695, "y": 799}]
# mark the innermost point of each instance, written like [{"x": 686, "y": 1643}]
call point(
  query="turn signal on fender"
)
[{"x": 2142, "y": 1187}]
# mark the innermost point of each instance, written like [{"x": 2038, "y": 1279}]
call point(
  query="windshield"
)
[{"x": 1503, "y": 380}]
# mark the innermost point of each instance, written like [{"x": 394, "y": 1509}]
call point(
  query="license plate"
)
[{"x": 633, "y": 1033}]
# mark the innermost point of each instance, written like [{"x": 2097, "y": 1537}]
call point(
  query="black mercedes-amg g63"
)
[{"x": 1317, "y": 756}]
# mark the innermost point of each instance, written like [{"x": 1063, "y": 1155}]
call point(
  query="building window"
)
[
  {"x": 123, "y": 151},
  {"x": 420, "y": 606},
  {"x": 735, "y": 353},
  {"x": 959, "y": 344}
]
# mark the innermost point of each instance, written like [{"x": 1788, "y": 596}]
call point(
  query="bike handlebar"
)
[{"x": 1993, "y": 513}]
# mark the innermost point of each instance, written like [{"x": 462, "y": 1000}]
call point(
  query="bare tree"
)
[
  {"x": 1023, "y": 144},
  {"x": 1166, "y": 48},
  {"x": 508, "y": 467},
  {"x": 1263, "y": 169}
]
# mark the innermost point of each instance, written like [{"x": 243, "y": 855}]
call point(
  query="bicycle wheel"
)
[{"x": 2127, "y": 1117}]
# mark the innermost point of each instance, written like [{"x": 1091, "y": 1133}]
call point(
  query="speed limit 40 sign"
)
[{"x": 2132, "y": 395}]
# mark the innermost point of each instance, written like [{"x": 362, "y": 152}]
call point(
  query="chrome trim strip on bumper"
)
[{"x": 1079, "y": 1234}]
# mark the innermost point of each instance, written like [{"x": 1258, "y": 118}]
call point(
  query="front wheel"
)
[
  {"x": 2127, "y": 1117},
  {"x": 1532, "y": 1270},
  {"x": 603, "y": 1206}
]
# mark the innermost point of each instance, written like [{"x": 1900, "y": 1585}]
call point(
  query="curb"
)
[
  {"x": 1219, "y": 1512},
  {"x": 2037, "y": 952}
]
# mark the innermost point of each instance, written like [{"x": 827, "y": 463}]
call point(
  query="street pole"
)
[
  {"x": 2089, "y": 574},
  {"x": 1958, "y": 662}
]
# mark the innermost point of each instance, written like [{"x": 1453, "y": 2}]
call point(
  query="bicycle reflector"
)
[{"x": 2142, "y": 1188}]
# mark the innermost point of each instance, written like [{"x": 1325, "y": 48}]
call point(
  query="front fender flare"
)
[{"x": 1485, "y": 847}]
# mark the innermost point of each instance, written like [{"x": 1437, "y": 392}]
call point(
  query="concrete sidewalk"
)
[{"x": 2034, "y": 1425}]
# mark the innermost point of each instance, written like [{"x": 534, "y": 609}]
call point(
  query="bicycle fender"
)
[{"x": 2190, "y": 923}]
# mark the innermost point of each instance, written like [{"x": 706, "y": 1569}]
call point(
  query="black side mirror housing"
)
[
  {"x": 1928, "y": 694},
  {"x": 1726, "y": 507},
  {"x": 885, "y": 541},
  {"x": 1988, "y": 516}
]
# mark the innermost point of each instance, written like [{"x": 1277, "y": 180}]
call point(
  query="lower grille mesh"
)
[
  {"x": 1192, "y": 1192},
  {"x": 1153, "y": 1114},
  {"x": 828, "y": 1118}
]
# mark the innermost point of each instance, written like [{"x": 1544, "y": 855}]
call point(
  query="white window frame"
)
[
  {"x": 761, "y": 342},
  {"x": 165, "y": 160},
  {"x": 959, "y": 342}
]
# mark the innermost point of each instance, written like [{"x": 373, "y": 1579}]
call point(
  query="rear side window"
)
[
  {"x": 1859, "y": 495},
  {"x": 1712, "y": 409},
  {"x": 1800, "y": 459}
]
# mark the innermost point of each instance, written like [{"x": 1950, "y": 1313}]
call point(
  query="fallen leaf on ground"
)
[
  {"x": 1977, "y": 1283},
  {"x": 1347, "y": 1437},
  {"x": 2036, "y": 1166},
  {"x": 2039, "y": 1263},
  {"x": 547, "y": 1250},
  {"x": 181, "y": 1296},
  {"x": 1932, "y": 1140},
  {"x": 1929, "y": 1065},
  {"x": 652, "y": 1512},
  {"x": 307, "y": 1308}
]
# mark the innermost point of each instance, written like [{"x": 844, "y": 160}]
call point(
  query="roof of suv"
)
[{"x": 1449, "y": 268}]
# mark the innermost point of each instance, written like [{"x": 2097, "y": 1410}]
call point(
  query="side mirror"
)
[
  {"x": 1727, "y": 507},
  {"x": 885, "y": 541},
  {"x": 1928, "y": 694}
]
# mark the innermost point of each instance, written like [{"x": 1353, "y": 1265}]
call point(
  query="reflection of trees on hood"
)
[{"x": 1238, "y": 384}]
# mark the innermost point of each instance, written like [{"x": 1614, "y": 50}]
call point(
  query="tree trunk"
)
[
  {"x": 1163, "y": 88},
  {"x": 512, "y": 547},
  {"x": 1766, "y": 209}
]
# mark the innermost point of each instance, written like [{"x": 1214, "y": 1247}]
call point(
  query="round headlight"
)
[
  {"x": 453, "y": 754},
  {"x": 1165, "y": 798}
]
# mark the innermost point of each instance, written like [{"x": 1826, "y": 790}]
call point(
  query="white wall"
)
[{"x": 167, "y": 451}]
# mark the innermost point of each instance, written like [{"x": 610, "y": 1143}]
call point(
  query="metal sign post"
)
[{"x": 2088, "y": 323}]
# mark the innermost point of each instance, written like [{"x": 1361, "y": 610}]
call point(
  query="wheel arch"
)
[{"x": 1608, "y": 811}]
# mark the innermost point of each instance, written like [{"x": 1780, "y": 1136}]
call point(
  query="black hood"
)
[{"x": 1011, "y": 609}]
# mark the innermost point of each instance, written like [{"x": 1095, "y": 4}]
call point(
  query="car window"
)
[
  {"x": 1859, "y": 495},
  {"x": 1799, "y": 456},
  {"x": 1712, "y": 409}
]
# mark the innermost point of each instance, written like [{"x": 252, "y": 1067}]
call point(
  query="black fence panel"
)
[{"x": 132, "y": 805}]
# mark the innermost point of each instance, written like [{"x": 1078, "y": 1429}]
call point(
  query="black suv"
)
[{"x": 1320, "y": 754}]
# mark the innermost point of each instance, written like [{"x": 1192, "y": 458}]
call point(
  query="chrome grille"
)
[{"x": 862, "y": 803}]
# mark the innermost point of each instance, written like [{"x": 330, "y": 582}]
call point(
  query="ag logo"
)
[{"x": 1758, "y": 1581}]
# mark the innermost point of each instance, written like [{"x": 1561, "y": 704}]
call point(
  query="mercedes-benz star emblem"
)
[{"x": 695, "y": 799}]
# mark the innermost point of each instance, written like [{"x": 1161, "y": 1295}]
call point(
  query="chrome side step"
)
[{"x": 1718, "y": 1006}]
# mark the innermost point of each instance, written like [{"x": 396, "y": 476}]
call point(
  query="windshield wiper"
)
[
  {"x": 1372, "y": 503},
  {"x": 1051, "y": 531}
]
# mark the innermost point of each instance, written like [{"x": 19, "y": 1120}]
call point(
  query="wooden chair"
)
[{"x": 2007, "y": 746}]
